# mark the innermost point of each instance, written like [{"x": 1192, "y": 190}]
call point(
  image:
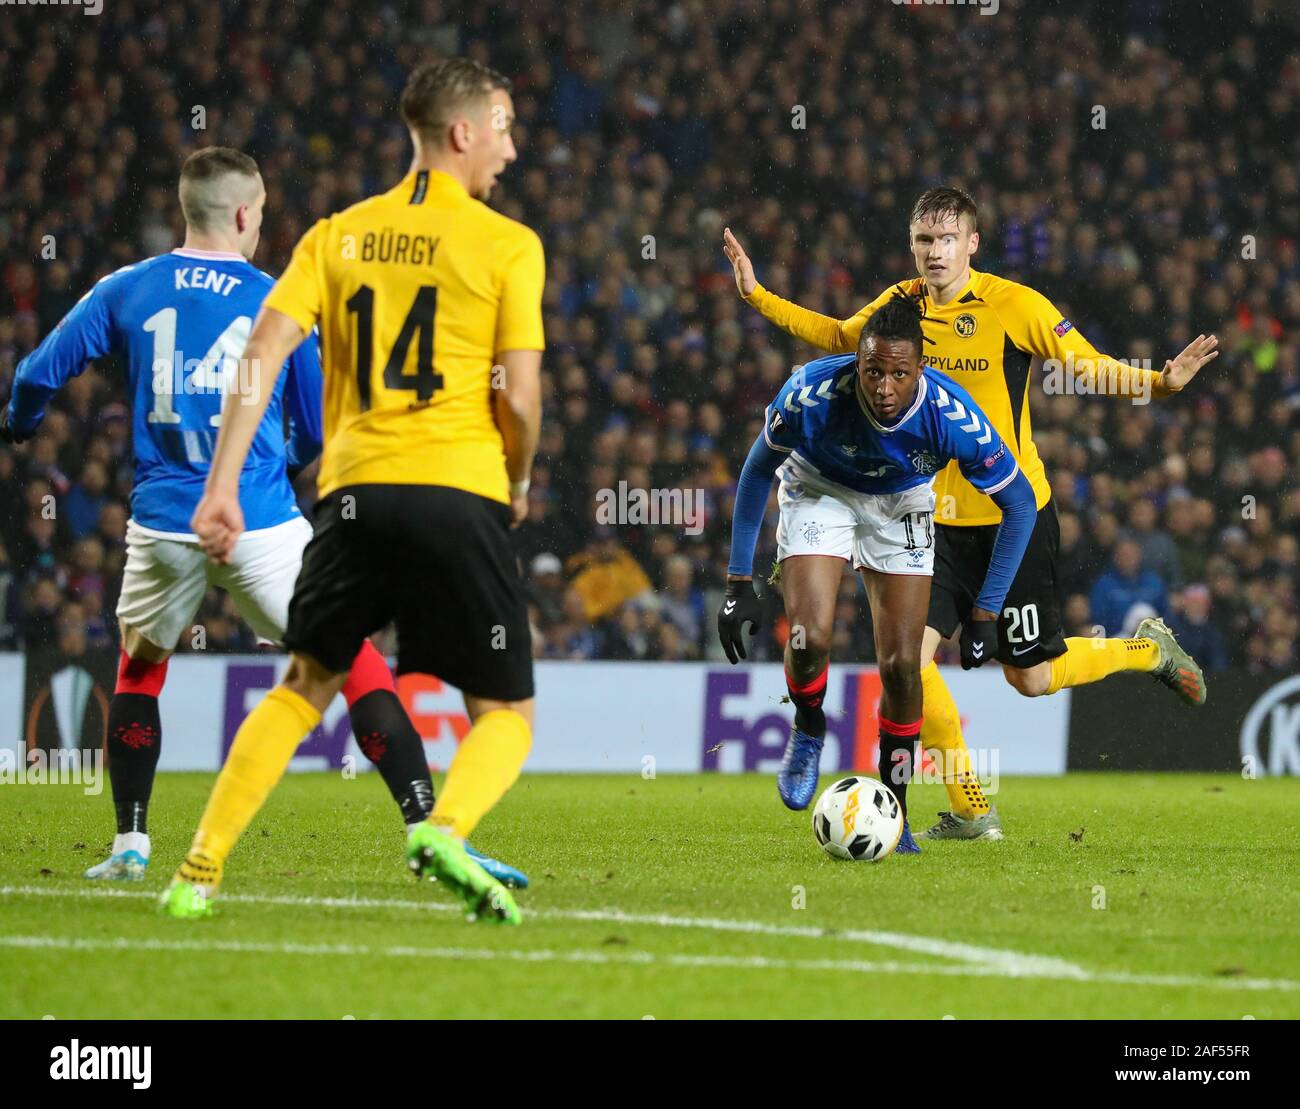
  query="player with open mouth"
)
[{"x": 856, "y": 441}]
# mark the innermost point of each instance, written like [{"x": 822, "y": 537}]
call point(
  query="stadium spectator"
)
[
  {"x": 86, "y": 499},
  {"x": 1191, "y": 622},
  {"x": 1159, "y": 553},
  {"x": 1124, "y": 590},
  {"x": 548, "y": 588},
  {"x": 682, "y": 604}
]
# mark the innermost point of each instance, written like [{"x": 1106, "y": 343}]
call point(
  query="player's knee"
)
[
  {"x": 1032, "y": 682},
  {"x": 481, "y": 706},
  {"x": 810, "y": 640},
  {"x": 311, "y": 681},
  {"x": 138, "y": 647},
  {"x": 900, "y": 675},
  {"x": 930, "y": 641}
]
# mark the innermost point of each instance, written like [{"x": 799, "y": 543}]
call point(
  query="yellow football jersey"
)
[
  {"x": 417, "y": 292},
  {"x": 984, "y": 338}
]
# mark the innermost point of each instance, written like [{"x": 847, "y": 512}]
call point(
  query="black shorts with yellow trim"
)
[
  {"x": 1029, "y": 626},
  {"x": 436, "y": 561}
]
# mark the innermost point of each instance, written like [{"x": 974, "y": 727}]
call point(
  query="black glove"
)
[
  {"x": 979, "y": 643},
  {"x": 7, "y": 432},
  {"x": 740, "y": 608}
]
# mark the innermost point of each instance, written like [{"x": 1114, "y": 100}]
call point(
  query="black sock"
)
[
  {"x": 897, "y": 753},
  {"x": 810, "y": 721},
  {"x": 387, "y": 738},
  {"x": 134, "y": 743},
  {"x": 809, "y": 716}
]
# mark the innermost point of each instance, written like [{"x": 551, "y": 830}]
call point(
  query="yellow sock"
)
[
  {"x": 1089, "y": 660},
  {"x": 263, "y": 746},
  {"x": 942, "y": 739},
  {"x": 487, "y": 764}
]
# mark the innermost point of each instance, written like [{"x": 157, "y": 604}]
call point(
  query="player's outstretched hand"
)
[
  {"x": 8, "y": 433},
  {"x": 1179, "y": 371},
  {"x": 740, "y": 607},
  {"x": 218, "y": 522},
  {"x": 740, "y": 263},
  {"x": 979, "y": 640}
]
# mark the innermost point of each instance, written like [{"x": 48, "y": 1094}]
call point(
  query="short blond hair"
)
[
  {"x": 207, "y": 196},
  {"x": 436, "y": 91}
]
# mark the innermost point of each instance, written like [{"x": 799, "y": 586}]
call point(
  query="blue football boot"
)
[
  {"x": 796, "y": 781},
  {"x": 128, "y": 866},
  {"x": 906, "y": 844},
  {"x": 504, "y": 873}
]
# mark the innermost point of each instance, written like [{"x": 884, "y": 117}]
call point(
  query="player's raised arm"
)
[
  {"x": 824, "y": 332},
  {"x": 1035, "y": 324},
  {"x": 1179, "y": 371},
  {"x": 84, "y": 334},
  {"x": 218, "y": 520}
]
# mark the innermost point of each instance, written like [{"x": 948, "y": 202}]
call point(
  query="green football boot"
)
[
  {"x": 185, "y": 901},
  {"x": 951, "y": 826},
  {"x": 1176, "y": 669},
  {"x": 431, "y": 853}
]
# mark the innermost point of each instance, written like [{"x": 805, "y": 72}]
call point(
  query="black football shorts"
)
[
  {"x": 439, "y": 562},
  {"x": 1029, "y": 628}
]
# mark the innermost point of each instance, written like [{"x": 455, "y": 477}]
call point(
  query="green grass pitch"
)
[{"x": 685, "y": 896}]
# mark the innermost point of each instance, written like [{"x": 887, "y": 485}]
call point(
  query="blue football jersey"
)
[
  {"x": 181, "y": 321},
  {"x": 819, "y": 418}
]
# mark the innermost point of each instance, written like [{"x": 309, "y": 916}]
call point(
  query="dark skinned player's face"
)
[{"x": 888, "y": 372}]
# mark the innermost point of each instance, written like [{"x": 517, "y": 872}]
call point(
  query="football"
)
[{"x": 858, "y": 819}]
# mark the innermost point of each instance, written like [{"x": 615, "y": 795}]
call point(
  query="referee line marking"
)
[
  {"x": 1010, "y": 963},
  {"x": 632, "y": 958}
]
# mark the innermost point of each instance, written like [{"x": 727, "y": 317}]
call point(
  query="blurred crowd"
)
[{"x": 1137, "y": 167}]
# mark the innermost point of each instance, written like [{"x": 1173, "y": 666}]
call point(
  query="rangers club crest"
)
[
  {"x": 923, "y": 462},
  {"x": 812, "y": 533}
]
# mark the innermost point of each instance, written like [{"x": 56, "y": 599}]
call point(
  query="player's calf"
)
[
  {"x": 900, "y": 682},
  {"x": 386, "y": 735},
  {"x": 1033, "y": 681},
  {"x": 134, "y": 742}
]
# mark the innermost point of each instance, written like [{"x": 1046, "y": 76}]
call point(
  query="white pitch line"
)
[
  {"x": 631, "y": 958},
  {"x": 1011, "y": 964}
]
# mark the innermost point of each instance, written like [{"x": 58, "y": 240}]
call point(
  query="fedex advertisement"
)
[
  {"x": 621, "y": 717},
  {"x": 592, "y": 717}
]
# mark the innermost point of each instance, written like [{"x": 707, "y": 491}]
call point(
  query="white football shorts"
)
[
  {"x": 889, "y": 532},
  {"x": 165, "y": 578}
]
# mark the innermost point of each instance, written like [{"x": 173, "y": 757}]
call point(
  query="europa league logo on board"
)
[{"x": 66, "y": 704}]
